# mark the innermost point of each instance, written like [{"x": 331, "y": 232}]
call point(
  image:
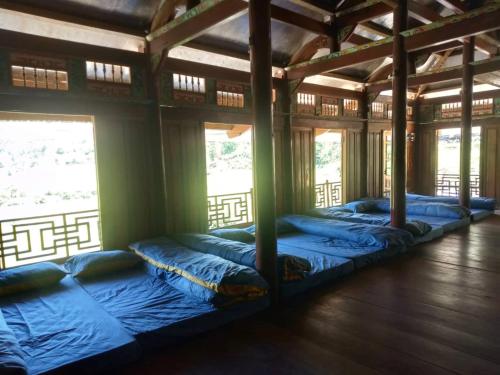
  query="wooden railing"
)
[
  {"x": 230, "y": 209},
  {"x": 328, "y": 194},
  {"x": 449, "y": 185},
  {"x": 40, "y": 238}
]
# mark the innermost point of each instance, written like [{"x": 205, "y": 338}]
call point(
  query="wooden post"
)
[
  {"x": 399, "y": 101},
  {"x": 466, "y": 139},
  {"x": 259, "y": 12},
  {"x": 411, "y": 178},
  {"x": 333, "y": 39},
  {"x": 192, "y": 3},
  {"x": 363, "y": 154},
  {"x": 286, "y": 109}
]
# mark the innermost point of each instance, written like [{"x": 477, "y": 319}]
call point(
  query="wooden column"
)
[
  {"x": 411, "y": 159},
  {"x": 259, "y": 12},
  {"x": 192, "y": 3},
  {"x": 399, "y": 89},
  {"x": 333, "y": 39},
  {"x": 286, "y": 108},
  {"x": 466, "y": 139},
  {"x": 363, "y": 154}
]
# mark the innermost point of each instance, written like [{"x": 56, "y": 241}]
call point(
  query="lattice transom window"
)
[
  {"x": 230, "y": 99},
  {"x": 230, "y": 95},
  {"x": 351, "y": 105},
  {"x": 306, "y": 99},
  {"x": 377, "y": 110},
  {"x": 329, "y": 106},
  {"x": 189, "y": 83},
  {"x": 98, "y": 71},
  {"x": 449, "y": 110},
  {"x": 26, "y": 76},
  {"x": 482, "y": 106}
]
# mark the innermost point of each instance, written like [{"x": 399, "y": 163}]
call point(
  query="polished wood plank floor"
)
[{"x": 435, "y": 310}]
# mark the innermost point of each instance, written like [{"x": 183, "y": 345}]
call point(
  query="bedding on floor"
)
[
  {"x": 61, "y": 328},
  {"x": 155, "y": 312}
]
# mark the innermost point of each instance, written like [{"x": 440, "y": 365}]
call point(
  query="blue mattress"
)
[
  {"x": 374, "y": 219},
  {"x": 324, "y": 268},
  {"x": 155, "y": 312},
  {"x": 448, "y": 224},
  {"x": 62, "y": 328},
  {"x": 478, "y": 214},
  {"x": 361, "y": 255},
  {"x": 483, "y": 203}
]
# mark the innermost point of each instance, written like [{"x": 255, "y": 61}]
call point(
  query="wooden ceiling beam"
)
[
  {"x": 457, "y": 98},
  {"x": 442, "y": 75},
  {"x": 311, "y": 88},
  {"x": 375, "y": 28},
  {"x": 471, "y": 23},
  {"x": 363, "y": 12},
  {"x": 299, "y": 20},
  {"x": 426, "y": 15},
  {"x": 194, "y": 22},
  {"x": 326, "y": 10}
]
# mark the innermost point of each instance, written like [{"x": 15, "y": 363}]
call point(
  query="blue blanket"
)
[
  {"x": 62, "y": 328},
  {"x": 475, "y": 202},
  {"x": 202, "y": 275},
  {"x": 416, "y": 227},
  {"x": 448, "y": 224},
  {"x": 360, "y": 254},
  {"x": 366, "y": 234},
  {"x": 453, "y": 211},
  {"x": 289, "y": 267},
  {"x": 157, "y": 313}
]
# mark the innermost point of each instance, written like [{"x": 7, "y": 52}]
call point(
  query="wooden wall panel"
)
[
  {"x": 352, "y": 165},
  {"x": 375, "y": 164},
  {"x": 426, "y": 159},
  {"x": 127, "y": 181},
  {"x": 491, "y": 162},
  {"x": 279, "y": 169},
  {"x": 303, "y": 169},
  {"x": 185, "y": 176}
]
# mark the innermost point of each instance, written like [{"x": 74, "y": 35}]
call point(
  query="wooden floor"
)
[{"x": 435, "y": 310}]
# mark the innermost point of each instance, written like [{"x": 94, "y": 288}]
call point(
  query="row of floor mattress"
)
[{"x": 104, "y": 309}]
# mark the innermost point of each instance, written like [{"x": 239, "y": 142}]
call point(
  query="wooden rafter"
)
[
  {"x": 450, "y": 28},
  {"x": 299, "y": 20},
  {"x": 426, "y": 15},
  {"x": 438, "y": 64},
  {"x": 363, "y": 12},
  {"x": 164, "y": 14},
  {"x": 441, "y": 75},
  {"x": 194, "y": 22}
]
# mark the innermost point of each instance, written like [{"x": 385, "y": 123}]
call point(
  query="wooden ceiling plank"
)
[
  {"x": 41, "y": 12},
  {"x": 195, "y": 22}
]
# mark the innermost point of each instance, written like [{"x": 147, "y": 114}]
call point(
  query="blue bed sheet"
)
[
  {"x": 157, "y": 313},
  {"x": 62, "y": 328},
  {"x": 360, "y": 254}
]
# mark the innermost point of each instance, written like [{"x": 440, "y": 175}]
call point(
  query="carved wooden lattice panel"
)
[{"x": 34, "y": 239}]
